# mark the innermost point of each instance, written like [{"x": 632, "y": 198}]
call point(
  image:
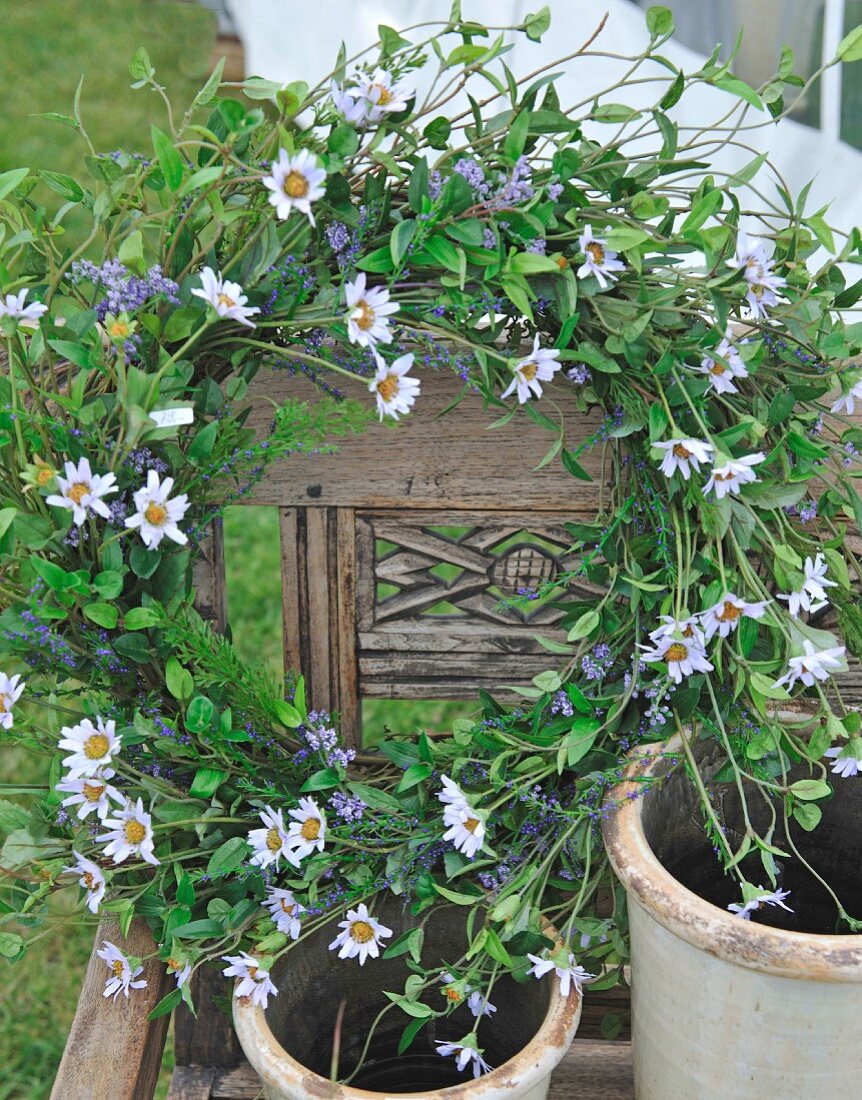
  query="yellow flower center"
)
[
  {"x": 96, "y": 746},
  {"x": 562, "y": 263},
  {"x": 597, "y": 252},
  {"x": 252, "y": 972},
  {"x": 676, "y": 652},
  {"x": 528, "y": 370},
  {"x": 295, "y": 185},
  {"x": 384, "y": 95},
  {"x": 361, "y": 931},
  {"x": 118, "y": 329},
  {"x": 135, "y": 831},
  {"x": 174, "y": 964},
  {"x": 681, "y": 452},
  {"x": 226, "y": 300},
  {"x": 78, "y": 491},
  {"x": 453, "y": 995},
  {"x": 729, "y": 613},
  {"x": 310, "y": 829},
  {"x": 388, "y": 387},
  {"x": 88, "y": 881},
  {"x": 724, "y": 477},
  {"x": 471, "y": 824},
  {"x": 3, "y": 705},
  {"x": 288, "y": 907},
  {"x": 117, "y": 968},
  {"x": 44, "y": 476},
  {"x": 156, "y": 514},
  {"x": 273, "y": 840},
  {"x": 717, "y": 368},
  {"x": 93, "y": 791},
  {"x": 366, "y": 315}
]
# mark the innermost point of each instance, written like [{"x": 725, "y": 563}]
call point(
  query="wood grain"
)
[
  {"x": 113, "y": 1052},
  {"x": 455, "y": 461}
]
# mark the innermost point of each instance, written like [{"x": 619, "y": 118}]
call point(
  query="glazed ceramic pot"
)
[
  {"x": 725, "y": 1008},
  {"x": 290, "y": 1043}
]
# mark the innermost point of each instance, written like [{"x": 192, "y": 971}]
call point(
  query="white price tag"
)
[{"x": 170, "y": 418}]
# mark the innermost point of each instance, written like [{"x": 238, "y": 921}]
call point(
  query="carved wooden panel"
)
[{"x": 445, "y": 600}]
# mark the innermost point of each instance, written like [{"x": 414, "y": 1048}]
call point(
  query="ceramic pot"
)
[
  {"x": 725, "y": 1008},
  {"x": 290, "y": 1043}
]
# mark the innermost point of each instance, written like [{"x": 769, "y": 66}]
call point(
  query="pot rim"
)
[
  {"x": 532, "y": 1064},
  {"x": 801, "y": 955}
]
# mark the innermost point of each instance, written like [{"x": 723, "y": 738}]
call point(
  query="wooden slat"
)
[
  {"x": 423, "y": 462},
  {"x": 590, "y": 1070},
  {"x": 207, "y": 1039},
  {"x": 192, "y": 1083},
  {"x": 291, "y": 598},
  {"x": 113, "y": 1052},
  {"x": 345, "y": 628}
]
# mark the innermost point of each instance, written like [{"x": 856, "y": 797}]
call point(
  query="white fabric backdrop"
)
[{"x": 289, "y": 40}]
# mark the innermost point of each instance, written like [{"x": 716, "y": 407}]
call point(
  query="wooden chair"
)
[{"x": 369, "y": 612}]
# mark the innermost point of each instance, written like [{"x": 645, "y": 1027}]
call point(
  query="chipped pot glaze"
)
[
  {"x": 722, "y": 1008},
  {"x": 533, "y": 1017}
]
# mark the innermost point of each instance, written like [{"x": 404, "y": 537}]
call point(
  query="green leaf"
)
[
  {"x": 167, "y": 1004},
  {"x": 206, "y": 782},
  {"x": 413, "y": 1008},
  {"x": 374, "y": 798},
  {"x": 178, "y": 680},
  {"x": 102, "y": 614},
  {"x": 739, "y": 88},
  {"x": 455, "y": 897},
  {"x": 288, "y": 715},
  {"x": 400, "y": 238},
  {"x": 409, "y": 1034},
  {"x": 131, "y": 252},
  {"x": 201, "y": 929},
  {"x": 516, "y": 136},
  {"x": 574, "y": 467},
  {"x": 65, "y": 186},
  {"x": 321, "y": 781},
  {"x": 170, "y": 161},
  {"x": 202, "y": 178},
  {"x": 585, "y": 625},
  {"x": 142, "y": 618},
  {"x": 531, "y": 263},
  {"x": 850, "y": 46},
  {"x": 807, "y": 816},
  {"x": 108, "y": 583},
  {"x": 7, "y": 515},
  {"x": 11, "y": 179},
  {"x": 133, "y": 646},
  {"x": 52, "y": 574},
  {"x": 548, "y": 681},
  {"x": 809, "y": 790},
  {"x": 702, "y": 210},
  {"x": 414, "y": 775},
  {"x": 140, "y": 67},
  {"x": 536, "y": 24},
  {"x": 625, "y": 237},
  {"x": 659, "y": 21},
  {"x": 343, "y": 141},
  {"x": 390, "y": 40},
  {"x": 437, "y": 132},
  {"x": 12, "y": 816},
  {"x": 11, "y": 945},
  {"x": 202, "y": 444},
  {"x": 228, "y": 856},
  {"x": 200, "y": 714}
]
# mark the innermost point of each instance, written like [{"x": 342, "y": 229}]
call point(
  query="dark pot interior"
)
[
  {"x": 674, "y": 827},
  {"x": 312, "y": 982}
]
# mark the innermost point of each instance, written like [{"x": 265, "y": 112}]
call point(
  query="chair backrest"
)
[{"x": 401, "y": 551}]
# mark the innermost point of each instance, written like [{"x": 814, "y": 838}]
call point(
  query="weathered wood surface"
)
[
  {"x": 455, "y": 461},
  {"x": 590, "y": 1070},
  {"x": 113, "y": 1052}
]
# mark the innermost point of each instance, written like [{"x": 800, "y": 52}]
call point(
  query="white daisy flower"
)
[
  {"x": 465, "y": 1055},
  {"x": 723, "y": 367},
  {"x": 395, "y": 392},
  {"x": 350, "y": 103},
  {"x": 92, "y": 747},
  {"x": 91, "y": 792},
  {"x": 757, "y": 268},
  {"x": 539, "y": 366},
  {"x": 368, "y": 312},
  {"x": 812, "y": 596},
  {"x": 847, "y": 758},
  {"x": 307, "y": 831},
  {"x": 382, "y": 96},
  {"x": 735, "y": 473},
  {"x": 683, "y": 455},
  {"x": 180, "y": 970},
  {"x": 285, "y": 910},
  {"x": 479, "y": 1005},
  {"x": 157, "y": 515},
  {"x": 122, "y": 976},
  {"x": 130, "y": 833},
  {"x": 254, "y": 982},
  {"x": 847, "y": 401},
  {"x": 360, "y": 936},
  {"x": 599, "y": 260},
  {"x": 270, "y": 842},
  {"x": 11, "y": 690},
  {"x": 571, "y": 976},
  {"x": 688, "y": 629},
  {"x": 452, "y": 795},
  {"x": 226, "y": 298},
  {"x": 813, "y": 665},
  {"x": 14, "y": 306},
  {"x": 723, "y": 617},
  {"x": 684, "y": 657},
  {"x": 82, "y": 491},
  {"x": 296, "y": 181},
  {"x": 766, "y": 897},
  {"x": 90, "y": 879},
  {"x": 466, "y": 829}
]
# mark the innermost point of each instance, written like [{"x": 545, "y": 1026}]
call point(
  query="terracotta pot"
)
[
  {"x": 724, "y": 1008},
  {"x": 290, "y": 1043}
]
